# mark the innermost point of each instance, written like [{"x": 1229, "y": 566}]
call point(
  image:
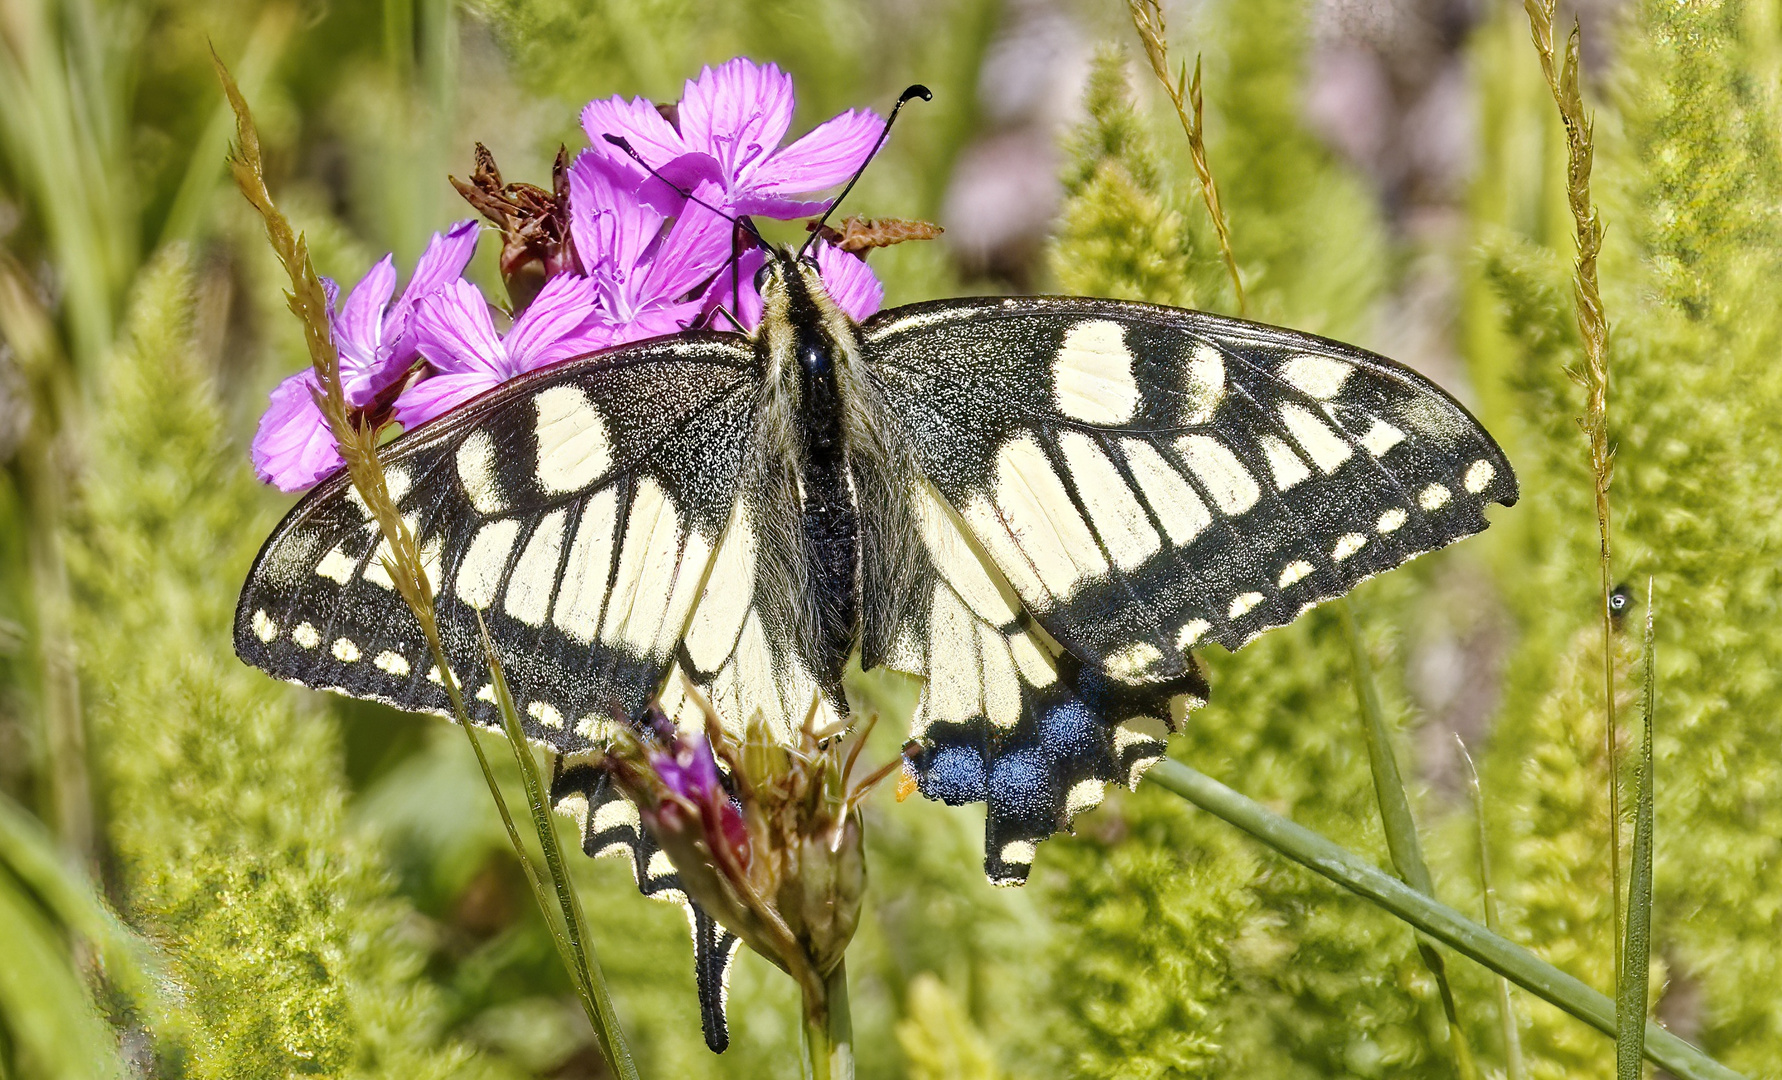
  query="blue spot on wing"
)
[
  {"x": 955, "y": 775},
  {"x": 1021, "y": 788},
  {"x": 1069, "y": 732}
]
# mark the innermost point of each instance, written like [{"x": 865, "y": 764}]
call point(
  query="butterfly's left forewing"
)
[{"x": 1150, "y": 479}]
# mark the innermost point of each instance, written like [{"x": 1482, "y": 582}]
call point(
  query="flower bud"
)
[{"x": 765, "y": 836}]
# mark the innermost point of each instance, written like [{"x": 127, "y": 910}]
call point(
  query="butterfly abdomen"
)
[{"x": 831, "y": 520}]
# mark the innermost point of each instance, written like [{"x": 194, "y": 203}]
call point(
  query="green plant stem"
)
[
  {"x": 841, "y": 1022},
  {"x": 1401, "y": 827},
  {"x": 1630, "y": 995},
  {"x": 64, "y": 721},
  {"x": 1514, "y": 1067},
  {"x": 42, "y": 470},
  {"x": 1436, "y": 919},
  {"x": 829, "y": 1030},
  {"x": 580, "y": 957}
]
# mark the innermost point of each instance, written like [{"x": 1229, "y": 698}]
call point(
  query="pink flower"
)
[
  {"x": 645, "y": 279},
  {"x": 850, "y": 282},
  {"x": 454, "y": 333},
  {"x": 293, "y": 447},
  {"x": 730, "y": 123}
]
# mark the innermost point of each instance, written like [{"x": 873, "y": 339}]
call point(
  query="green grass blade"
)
[
  {"x": 48, "y": 1016},
  {"x": 585, "y": 966},
  {"x": 29, "y": 854},
  {"x": 1630, "y": 995},
  {"x": 1450, "y": 927},
  {"x": 204, "y": 169},
  {"x": 1514, "y": 1067},
  {"x": 1401, "y": 827}
]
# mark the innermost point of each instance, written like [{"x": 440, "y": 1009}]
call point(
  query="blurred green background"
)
[{"x": 207, "y": 874}]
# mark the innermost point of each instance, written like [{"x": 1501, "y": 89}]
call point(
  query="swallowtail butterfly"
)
[{"x": 1042, "y": 506}]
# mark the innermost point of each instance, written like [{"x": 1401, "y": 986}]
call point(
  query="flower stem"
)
[
  {"x": 576, "y": 947},
  {"x": 1631, "y": 993},
  {"x": 1436, "y": 919},
  {"x": 829, "y": 1030},
  {"x": 1514, "y": 1067}
]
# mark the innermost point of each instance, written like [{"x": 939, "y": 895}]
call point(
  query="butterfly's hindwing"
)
[
  {"x": 611, "y": 825},
  {"x": 576, "y": 509},
  {"x": 737, "y": 651},
  {"x": 1005, "y": 717},
  {"x": 1151, "y": 479}
]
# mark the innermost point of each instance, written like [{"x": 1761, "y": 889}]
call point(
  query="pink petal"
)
[
  {"x": 613, "y": 230},
  {"x": 737, "y": 113},
  {"x": 850, "y": 282},
  {"x": 454, "y": 332},
  {"x": 359, "y": 331},
  {"x": 558, "y": 324},
  {"x": 439, "y": 394},
  {"x": 637, "y": 122},
  {"x": 828, "y": 155},
  {"x": 447, "y": 254},
  {"x": 655, "y": 322},
  {"x": 776, "y": 207},
  {"x": 293, "y": 448},
  {"x": 443, "y": 262},
  {"x": 685, "y": 173},
  {"x": 736, "y": 294},
  {"x": 698, "y": 245}
]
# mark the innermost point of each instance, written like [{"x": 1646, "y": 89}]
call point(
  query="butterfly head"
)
[{"x": 799, "y": 319}]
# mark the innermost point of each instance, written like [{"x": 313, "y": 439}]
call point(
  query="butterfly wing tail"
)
[{"x": 611, "y": 825}]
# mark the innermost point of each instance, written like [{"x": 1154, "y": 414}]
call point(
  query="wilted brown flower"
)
[
  {"x": 534, "y": 224},
  {"x": 859, "y": 234}
]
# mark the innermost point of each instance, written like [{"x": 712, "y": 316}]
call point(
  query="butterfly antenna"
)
[
  {"x": 916, "y": 91},
  {"x": 624, "y": 144}
]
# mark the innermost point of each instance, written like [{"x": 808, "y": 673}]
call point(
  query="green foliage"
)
[
  {"x": 223, "y": 797},
  {"x": 1691, "y": 171},
  {"x": 939, "y": 1038},
  {"x": 1148, "y": 882},
  {"x": 344, "y": 904},
  {"x": 1120, "y": 234},
  {"x": 1305, "y": 232},
  {"x": 1556, "y": 810}
]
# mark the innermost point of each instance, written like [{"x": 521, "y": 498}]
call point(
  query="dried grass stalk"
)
[
  {"x": 1184, "y": 94},
  {"x": 1561, "y": 71}
]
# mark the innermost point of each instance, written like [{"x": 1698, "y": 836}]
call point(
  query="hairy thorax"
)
[{"x": 833, "y": 483}]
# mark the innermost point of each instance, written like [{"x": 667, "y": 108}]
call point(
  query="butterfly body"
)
[
  {"x": 813, "y": 457},
  {"x": 1039, "y": 506}
]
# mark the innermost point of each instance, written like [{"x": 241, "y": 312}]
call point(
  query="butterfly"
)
[{"x": 1041, "y": 506}]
